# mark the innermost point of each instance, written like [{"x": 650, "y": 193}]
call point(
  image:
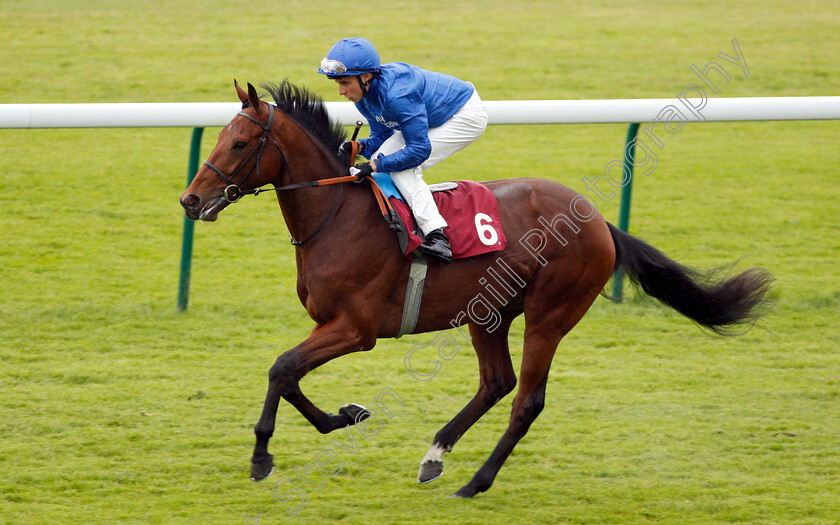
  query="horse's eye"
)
[{"x": 239, "y": 145}]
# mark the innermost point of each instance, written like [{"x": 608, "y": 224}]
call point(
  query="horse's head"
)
[{"x": 246, "y": 157}]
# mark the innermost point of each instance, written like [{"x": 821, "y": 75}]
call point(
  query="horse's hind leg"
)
[
  {"x": 543, "y": 332},
  {"x": 496, "y": 379}
]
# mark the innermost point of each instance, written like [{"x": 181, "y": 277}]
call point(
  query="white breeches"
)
[{"x": 465, "y": 126}]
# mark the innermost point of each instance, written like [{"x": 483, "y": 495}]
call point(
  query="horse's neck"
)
[{"x": 306, "y": 209}]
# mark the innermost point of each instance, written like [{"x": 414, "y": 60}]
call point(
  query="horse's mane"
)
[{"x": 308, "y": 110}]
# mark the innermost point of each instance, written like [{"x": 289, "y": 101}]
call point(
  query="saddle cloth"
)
[{"x": 470, "y": 209}]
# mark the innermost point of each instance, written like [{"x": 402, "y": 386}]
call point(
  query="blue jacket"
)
[{"x": 412, "y": 100}]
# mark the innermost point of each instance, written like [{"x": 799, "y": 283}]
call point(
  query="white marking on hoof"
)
[
  {"x": 431, "y": 467},
  {"x": 435, "y": 453}
]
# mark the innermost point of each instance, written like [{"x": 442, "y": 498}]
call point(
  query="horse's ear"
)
[
  {"x": 253, "y": 98},
  {"x": 243, "y": 96}
]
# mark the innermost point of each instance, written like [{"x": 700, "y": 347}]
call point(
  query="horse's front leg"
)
[{"x": 326, "y": 342}]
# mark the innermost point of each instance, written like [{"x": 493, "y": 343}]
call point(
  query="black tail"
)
[{"x": 719, "y": 305}]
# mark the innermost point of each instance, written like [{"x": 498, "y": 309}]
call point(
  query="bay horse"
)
[{"x": 351, "y": 274}]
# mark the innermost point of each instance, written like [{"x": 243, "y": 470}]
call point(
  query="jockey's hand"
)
[
  {"x": 362, "y": 170},
  {"x": 346, "y": 148}
]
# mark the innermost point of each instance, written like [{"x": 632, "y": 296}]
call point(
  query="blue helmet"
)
[{"x": 350, "y": 56}]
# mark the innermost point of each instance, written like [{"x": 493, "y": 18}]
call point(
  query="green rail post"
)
[
  {"x": 626, "y": 193},
  {"x": 187, "y": 243}
]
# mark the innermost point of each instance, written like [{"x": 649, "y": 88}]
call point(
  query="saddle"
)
[
  {"x": 475, "y": 227},
  {"x": 470, "y": 209}
]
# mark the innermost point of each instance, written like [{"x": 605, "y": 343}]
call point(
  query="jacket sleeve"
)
[
  {"x": 378, "y": 133},
  {"x": 414, "y": 125}
]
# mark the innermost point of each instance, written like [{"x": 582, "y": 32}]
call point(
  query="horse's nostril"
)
[{"x": 190, "y": 201}]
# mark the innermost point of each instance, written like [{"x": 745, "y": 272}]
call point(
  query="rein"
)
[{"x": 233, "y": 191}]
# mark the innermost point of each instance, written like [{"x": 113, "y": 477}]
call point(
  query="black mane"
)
[{"x": 308, "y": 110}]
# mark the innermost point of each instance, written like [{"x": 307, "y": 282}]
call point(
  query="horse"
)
[{"x": 351, "y": 275}]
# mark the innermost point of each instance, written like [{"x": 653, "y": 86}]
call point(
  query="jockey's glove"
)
[
  {"x": 362, "y": 170},
  {"x": 346, "y": 148}
]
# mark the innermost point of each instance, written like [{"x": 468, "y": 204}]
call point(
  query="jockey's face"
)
[{"x": 350, "y": 87}]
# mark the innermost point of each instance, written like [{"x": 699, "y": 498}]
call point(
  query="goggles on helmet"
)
[{"x": 332, "y": 67}]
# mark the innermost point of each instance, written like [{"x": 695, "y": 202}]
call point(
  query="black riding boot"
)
[{"x": 437, "y": 245}]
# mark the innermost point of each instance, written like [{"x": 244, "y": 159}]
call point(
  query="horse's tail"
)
[{"x": 719, "y": 304}]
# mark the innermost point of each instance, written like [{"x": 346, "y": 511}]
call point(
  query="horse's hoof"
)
[
  {"x": 465, "y": 492},
  {"x": 355, "y": 412},
  {"x": 263, "y": 469},
  {"x": 430, "y": 471}
]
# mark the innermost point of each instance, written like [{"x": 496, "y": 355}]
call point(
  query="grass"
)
[{"x": 115, "y": 407}]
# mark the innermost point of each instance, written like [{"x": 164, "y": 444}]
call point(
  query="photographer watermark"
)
[
  {"x": 503, "y": 284},
  {"x": 688, "y": 107}
]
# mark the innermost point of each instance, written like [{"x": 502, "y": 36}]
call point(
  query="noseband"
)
[{"x": 233, "y": 192}]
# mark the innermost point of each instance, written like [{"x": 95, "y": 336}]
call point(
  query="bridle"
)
[{"x": 233, "y": 191}]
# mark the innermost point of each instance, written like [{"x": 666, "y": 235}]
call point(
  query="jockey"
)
[{"x": 417, "y": 118}]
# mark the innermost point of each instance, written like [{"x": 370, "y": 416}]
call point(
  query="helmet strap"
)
[{"x": 364, "y": 85}]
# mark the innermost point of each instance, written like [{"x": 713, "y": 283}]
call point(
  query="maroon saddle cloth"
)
[{"x": 472, "y": 213}]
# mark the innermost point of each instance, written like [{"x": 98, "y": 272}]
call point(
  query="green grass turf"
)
[{"x": 116, "y": 408}]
